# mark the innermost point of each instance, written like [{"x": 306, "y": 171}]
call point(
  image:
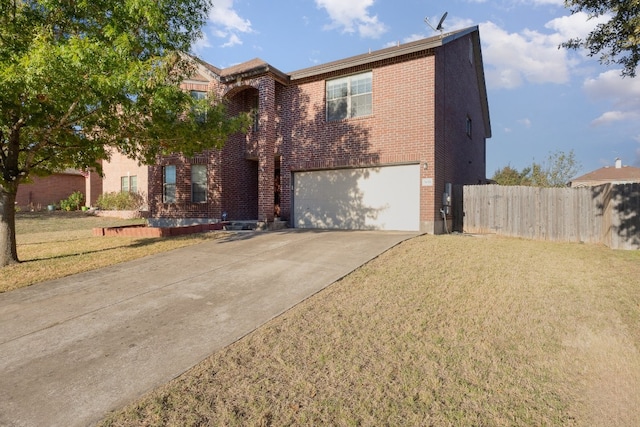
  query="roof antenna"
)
[{"x": 439, "y": 26}]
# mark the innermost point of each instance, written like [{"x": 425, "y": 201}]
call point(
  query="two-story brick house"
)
[{"x": 367, "y": 142}]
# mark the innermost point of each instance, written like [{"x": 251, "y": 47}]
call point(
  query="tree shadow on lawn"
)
[
  {"x": 48, "y": 242},
  {"x": 48, "y": 215},
  {"x": 137, "y": 244}
]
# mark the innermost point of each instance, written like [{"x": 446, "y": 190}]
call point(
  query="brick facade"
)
[{"x": 429, "y": 108}]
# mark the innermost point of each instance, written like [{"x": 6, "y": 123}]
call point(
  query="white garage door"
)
[{"x": 380, "y": 198}]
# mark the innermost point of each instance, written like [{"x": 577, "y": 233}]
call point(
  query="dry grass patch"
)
[
  {"x": 448, "y": 330},
  {"x": 58, "y": 244}
]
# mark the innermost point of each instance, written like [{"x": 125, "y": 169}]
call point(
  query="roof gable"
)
[{"x": 402, "y": 52}]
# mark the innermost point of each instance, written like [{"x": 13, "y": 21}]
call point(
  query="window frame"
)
[
  {"x": 204, "y": 184},
  {"x": 129, "y": 184},
  {"x": 169, "y": 188},
  {"x": 199, "y": 95},
  {"x": 343, "y": 93}
]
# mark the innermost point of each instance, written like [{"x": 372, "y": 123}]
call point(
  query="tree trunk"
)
[{"x": 8, "y": 251}]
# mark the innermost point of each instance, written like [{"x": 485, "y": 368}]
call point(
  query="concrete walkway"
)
[{"x": 73, "y": 349}]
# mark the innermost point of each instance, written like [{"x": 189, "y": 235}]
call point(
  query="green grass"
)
[
  {"x": 440, "y": 330},
  {"x": 57, "y": 244}
]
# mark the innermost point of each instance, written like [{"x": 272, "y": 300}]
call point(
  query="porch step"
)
[
  {"x": 254, "y": 225},
  {"x": 241, "y": 225}
]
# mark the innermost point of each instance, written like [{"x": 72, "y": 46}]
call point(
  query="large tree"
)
[
  {"x": 615, "y": 41},
  {"x": 79, "y": 78}
]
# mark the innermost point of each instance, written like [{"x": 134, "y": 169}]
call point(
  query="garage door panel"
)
[{"x": 383, "y": 198}]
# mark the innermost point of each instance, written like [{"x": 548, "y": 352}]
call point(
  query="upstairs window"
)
[
  {"x": 255, "y": 113},
  {"x": 349, "y": 97},
  {"x": 169, "y": 184},
  {"x": 198, "y": 183},
  {"x": 199, "y": 95}
]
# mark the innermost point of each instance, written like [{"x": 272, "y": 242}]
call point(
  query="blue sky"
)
[{"x": 541, "y": 98}]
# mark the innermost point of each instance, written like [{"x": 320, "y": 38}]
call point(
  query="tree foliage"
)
[
  {"x": 509, "y": 175},
  {"x": 615, "y": 41},
  {"x": 79, "y": 78},
  {"x": 557, "y": 171}
]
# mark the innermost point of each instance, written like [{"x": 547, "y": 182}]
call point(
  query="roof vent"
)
[{"x": 618, "y": 163}]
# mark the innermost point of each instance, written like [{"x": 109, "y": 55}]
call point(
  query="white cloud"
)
[
  {"x": 531, "y": 56},
  {"x": 622, "y": 93},
  {"x": 228, "y": 23},
  {"x": 513, "y": 58},
  {"x": 616, "y": 116},
  {"x": 413, "y": 38},
  {"x": 525, "y": 122},
  {"x": 408, "y": 39},
  {"x": 223, "y": 14},
  {"x": 577, "y": 25},
  {"x": 232, "y": 41},
  {"x": 548, "y": 2},
  {"x": 353, "y": 16}
]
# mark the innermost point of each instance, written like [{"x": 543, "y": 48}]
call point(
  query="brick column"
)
[
  {"x": 214, "y": 176},
  {"x": 266, "y": 148}
]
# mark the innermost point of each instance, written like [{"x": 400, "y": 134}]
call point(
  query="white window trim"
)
[
  {"x": 349, "y": 96},
  {"x": 206, "y": 186},
  {"x": 166, "y": 184},
  {"x": 129, "y": 180}
]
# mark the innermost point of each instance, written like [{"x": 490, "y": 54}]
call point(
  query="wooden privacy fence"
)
[{"x": 608, "y": 214}]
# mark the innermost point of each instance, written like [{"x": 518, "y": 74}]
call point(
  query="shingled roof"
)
[{"x": 608, "y": 174}]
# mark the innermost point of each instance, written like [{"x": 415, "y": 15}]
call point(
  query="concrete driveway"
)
[{"x": 73, "y": 349}]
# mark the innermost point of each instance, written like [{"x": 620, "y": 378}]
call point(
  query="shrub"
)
[
  {"x": 73, "y": 202},
  {"x": 123, "y": 201}
]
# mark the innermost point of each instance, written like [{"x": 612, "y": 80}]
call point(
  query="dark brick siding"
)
[{"x": 420, "y": 106}]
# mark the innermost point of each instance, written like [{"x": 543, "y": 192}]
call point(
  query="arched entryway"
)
[
  {"x": 251, "y": 189},
  {"x": 239, "y": 162}
]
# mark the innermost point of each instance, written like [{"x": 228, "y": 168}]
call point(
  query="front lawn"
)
[
  {"x": 440, "y": 330},
  {"x": 57, "y": 244}
]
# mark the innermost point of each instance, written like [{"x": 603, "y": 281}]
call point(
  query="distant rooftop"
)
[{"x": 616, "y": 173}]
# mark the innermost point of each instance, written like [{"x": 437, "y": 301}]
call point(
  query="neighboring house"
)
[
  {"x": 43, "y": 191},
  {"x": 618, "y": 174},
  {"x": 367, "y": 142}
]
